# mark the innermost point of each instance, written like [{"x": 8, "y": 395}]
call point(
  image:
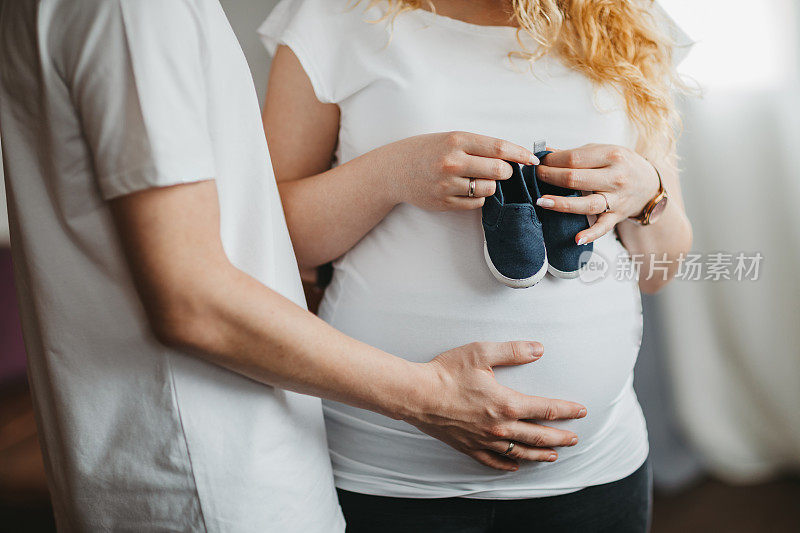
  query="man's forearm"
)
[
  {"x": 238, "y": 323},
  {"x": 196, "y": 298}
]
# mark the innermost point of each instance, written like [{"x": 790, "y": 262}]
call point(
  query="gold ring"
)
[
  {"x": 471, "y": 193},
  {"x": 510, "y": 447},
  {"x": 608, "y": 206}
]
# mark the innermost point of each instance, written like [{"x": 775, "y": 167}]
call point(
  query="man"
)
[{"x": 161, "y": 301}]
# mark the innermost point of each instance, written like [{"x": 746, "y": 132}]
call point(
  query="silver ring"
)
[
  {"x": 471, "y": 193},
  {"x": 510, "y": 447},
  {"x": 608, "y": 206}
]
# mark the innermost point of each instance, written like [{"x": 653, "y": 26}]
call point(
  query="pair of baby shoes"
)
[{"x": 522, "y": 241}]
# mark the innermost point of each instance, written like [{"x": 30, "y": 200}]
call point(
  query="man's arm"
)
[{"x": 197, "y": 300}]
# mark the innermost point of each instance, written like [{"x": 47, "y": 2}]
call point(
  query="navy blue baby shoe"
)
[
  {"x": 565, "y": 258},
  {"x": 513, "y": 243}
]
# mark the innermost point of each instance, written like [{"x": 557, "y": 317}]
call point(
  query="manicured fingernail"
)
[
  {"x": 534, "y": 160},
  {"x": 581, "y": 413},
  {"x": 574, "y": 441},
  {"x": 545, "y": 202},
  {"x": 582, "y": 241},
  {"x": 552, "y": 457}
]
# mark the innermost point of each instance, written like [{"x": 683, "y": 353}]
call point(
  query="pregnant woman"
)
[{"x": 377, "y": 116}]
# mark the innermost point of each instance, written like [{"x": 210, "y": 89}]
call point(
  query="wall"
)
[{"x": 245, "y": 17}]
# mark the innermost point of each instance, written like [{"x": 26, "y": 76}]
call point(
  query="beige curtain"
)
[
  {"x": 734, "y": 346},
  {"x": 4, "y": 237}
]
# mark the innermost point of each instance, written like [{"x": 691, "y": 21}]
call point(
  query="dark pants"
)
[{"x": 619, "y": 507}]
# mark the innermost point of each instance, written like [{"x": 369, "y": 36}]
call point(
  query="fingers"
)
[
  {"x": 593, "y": 179},
  {"x": 509, "y": 353},
  {"x": 463, "y": 203},
  {"x": 537, "y": 436},
  {"x": 602, "y": 225},
  {"x": 483, "y": 188},
  {"x": 487, "y": 168},
  {"x": 592, "y": 204},
  {"x": 484, "y": 146},
  {"x": 533, "y": 442},
  {"x": 589, "y": 156},
  {"x": 495, "y": 461},
  {"x": 537, "y": 408},
  {"x": 522, "y": 452}
]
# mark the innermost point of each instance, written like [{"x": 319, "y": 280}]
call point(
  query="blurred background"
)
[{"x": 719, "y": 372}]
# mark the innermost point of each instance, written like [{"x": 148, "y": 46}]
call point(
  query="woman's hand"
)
[
  {"x": 621, "y": 183},
  {"x": 463, "y": 405},
  {"x": 433, "y": 171}
]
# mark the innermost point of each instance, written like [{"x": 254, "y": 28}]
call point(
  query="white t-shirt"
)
[
  {"x": 99, "y": 99},
  {"x": 417, "y": 283}
]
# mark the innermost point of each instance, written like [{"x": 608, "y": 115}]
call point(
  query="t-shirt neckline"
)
[{"x": 449, "y": 22}]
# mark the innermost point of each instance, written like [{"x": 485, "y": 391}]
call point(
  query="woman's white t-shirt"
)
[{"x": 417, "y": 283}]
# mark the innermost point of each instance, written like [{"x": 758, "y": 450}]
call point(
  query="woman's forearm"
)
[
  {"x": 329, "y": 213},
  {"x": 429, "y": 171},
  {"x": 658, "y": 246}
]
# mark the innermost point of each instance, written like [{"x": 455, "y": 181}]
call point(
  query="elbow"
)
[
  {"x": 168, "y": 331},
  {"x": 310, "y": 262},
  {"x": 178, "y": 323}
]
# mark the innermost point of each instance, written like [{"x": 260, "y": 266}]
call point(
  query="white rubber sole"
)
[
  {"x": 563, "y": 275},
  {"x": 515, "y": 283},
  {"x": 566, "y": 275}
]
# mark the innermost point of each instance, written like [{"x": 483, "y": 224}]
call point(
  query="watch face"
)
[{"x": 658, "y": 209}]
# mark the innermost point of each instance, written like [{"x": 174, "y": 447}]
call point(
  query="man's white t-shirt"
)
[{"x": 100, "y": 99}]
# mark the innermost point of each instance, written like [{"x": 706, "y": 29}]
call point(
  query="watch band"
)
[{"x": 661, "y": 195}]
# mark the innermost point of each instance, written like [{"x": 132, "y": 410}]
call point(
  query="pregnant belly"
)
[
  {"x": 591, "y": 332},
  {"x": 418, "y": 285}
]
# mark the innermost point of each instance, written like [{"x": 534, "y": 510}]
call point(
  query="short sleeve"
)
[
  {"x": 135, "y": 73},
  {"x": 682, "y": 43},
  {"x": 324, "y": 34}
]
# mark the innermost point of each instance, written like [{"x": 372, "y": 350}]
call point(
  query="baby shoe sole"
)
[
  {"x": 510, "y": 282},
  {"x": 572, "y": 274},
  {"x": 563, "y": 275}
]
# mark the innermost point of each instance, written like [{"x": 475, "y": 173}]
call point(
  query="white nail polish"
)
[
  {"x": 582, "y": 241},
  {"x": 534, "y": 160},
  {"x": 545, "y": 202}
]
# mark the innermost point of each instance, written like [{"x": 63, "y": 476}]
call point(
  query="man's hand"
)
[{"x": 469, "y": 410}]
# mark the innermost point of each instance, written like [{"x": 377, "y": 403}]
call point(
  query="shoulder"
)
[
  {"x": 174, "y": 10},
  {"x": 681, "y": 42},
  {"x": 333, "y": 40},
  {"x": 323, "y": 19},
  {"x": 98, "y": 21},
  {"x": 94, "y": 32}
]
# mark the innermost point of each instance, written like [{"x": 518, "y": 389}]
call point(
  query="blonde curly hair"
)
[{"x": 614, "y": 43}]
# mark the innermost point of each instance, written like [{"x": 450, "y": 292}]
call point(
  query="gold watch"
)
[{"x": 656, "y": 206}]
